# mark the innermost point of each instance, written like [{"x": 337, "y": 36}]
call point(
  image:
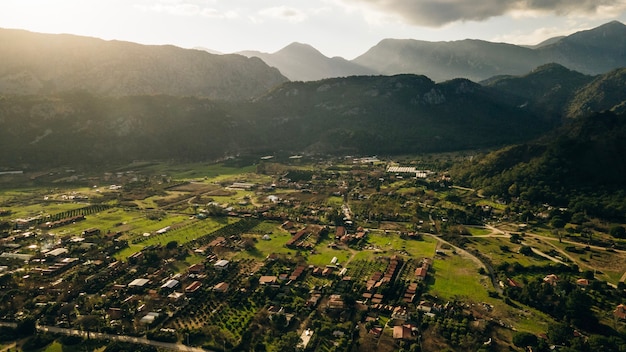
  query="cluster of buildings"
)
[
  {"x": 422, "y": 271},
  {"x": 344, "y": 236},
  {"x": 306, "y": 238},
  {"x": 378, "y": 278}
]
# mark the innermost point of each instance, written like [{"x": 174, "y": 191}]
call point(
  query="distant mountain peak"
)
[
  {"x": 210, "y": 51},
  {"x": 297, "y": 48},
  {"x": 613, "y": 24},
  {"x": 302, "y": 62},
  {"x": 611, "y": 29},
  {"x": 299, "y": 45},
  {"x": 593, "y": 51}
]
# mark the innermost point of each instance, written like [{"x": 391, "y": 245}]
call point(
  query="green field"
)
[
  {"x": 457, "y": 277},
  {"x": 190, "y": 171},
  {"x": 324, "y": 254},
  {"x": 390, "y": 243},
  {"x": 276, "y": 244},
  {"x": 43, "y": 209},
  {"x": 491, "y": 248},
  {"x": 478, "y": 231},
  {"x": 192, "y": 230}
]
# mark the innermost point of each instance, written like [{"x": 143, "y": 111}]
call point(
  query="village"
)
[{"x": 353, "y": 255}]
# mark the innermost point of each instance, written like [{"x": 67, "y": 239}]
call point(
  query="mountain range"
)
[
  {"x": 353, "y": 115},
  {"x": 34, "y": 63},
  {"x": 302, "y": 62},
  {"x": 593, "y": 51},
  {"x": 118, "y": 101}
]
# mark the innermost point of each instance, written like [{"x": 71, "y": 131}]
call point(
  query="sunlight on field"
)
[
  {"x": 500, "y": 250},
  {"x": 324, "y": 255},
  {"x": 186, "y": 233},
  {"x": 44, "y": 208},
  {"x": 458, "y": 277},
  {"x": 478, "y": 231},
  {"x": 391, "y": 243}
]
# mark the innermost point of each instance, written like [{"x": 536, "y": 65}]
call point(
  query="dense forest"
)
[{"x": 581, "y": 166}]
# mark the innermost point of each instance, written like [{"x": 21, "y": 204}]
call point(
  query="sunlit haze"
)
[{"x": 344, "y": 28}]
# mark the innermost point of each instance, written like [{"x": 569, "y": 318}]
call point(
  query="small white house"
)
[{"x": 221, "y": 264}]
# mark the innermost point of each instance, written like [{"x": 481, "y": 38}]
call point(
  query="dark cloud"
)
[{"x": 440, "y": 12}]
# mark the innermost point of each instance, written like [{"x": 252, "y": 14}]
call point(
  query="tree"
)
[
  {"x": 171, "y": 245},
  {"x": 618, "y": 231},
  {"x": 523, "y": 339},
  {"x": 280, "y": 321},
  {"x": 88, "y": 322},
  {"x": 607, "y": 344},
  {"x": 288, "y": 342},
  {"x": 578, "y": 309},
  {"x": 215, "y": 210},
  {"x": 5, "y": 225},
  {"x": 67, "y": 310},
  {"x": 116, "y": 346},
  {"x": 526, "y": 250},
  {"x": 578, "y": 218},
  {"x": 26, "y": 326},
  {"x": 37, "y": 342},
  {"x": 557, "y": 222},
  {"x": 559, "y": 333}
]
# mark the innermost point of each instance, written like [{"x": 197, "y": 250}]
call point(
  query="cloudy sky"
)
[{"x": 335, "y": 27}]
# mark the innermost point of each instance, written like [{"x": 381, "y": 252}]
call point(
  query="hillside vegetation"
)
[
  {"x": 375, "y": 114},
  {"x": 581, "y": 166}
]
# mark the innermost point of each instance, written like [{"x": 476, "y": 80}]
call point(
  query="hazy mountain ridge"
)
[
  {"x": 559, "y": 92},
  {"x": 594, "y": 51},
  {"x": 472, "y": 59},
  {"x": 36, "y": 63},
  {"x": 45, "y": 63},
  {"x": 302, "y": 62}
]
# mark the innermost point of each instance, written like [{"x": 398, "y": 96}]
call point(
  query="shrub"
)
[
  {"x": 526, "y": 250},
  {"x": 70, "y": 340},
  {"x": 523, "y": 339},
  {"x": 163, "y": 336},
  {"x": 7, "y": 334},
  {"x": 618, "y": 231},
  {"x": 37, "y": 342}
]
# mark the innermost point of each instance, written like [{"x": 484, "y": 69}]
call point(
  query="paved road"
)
[{"x": 122, "y": 338}]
